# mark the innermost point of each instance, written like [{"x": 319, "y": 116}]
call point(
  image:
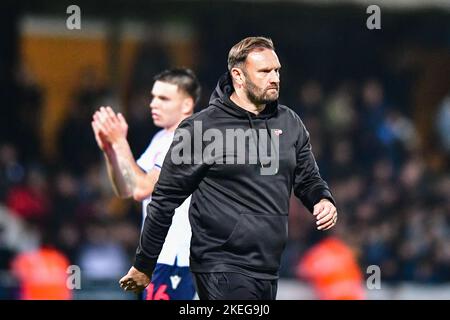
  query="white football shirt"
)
[{"x": 177, "y": 243}]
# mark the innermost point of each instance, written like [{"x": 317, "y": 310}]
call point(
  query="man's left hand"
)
[{"x": 326, "y": 214}]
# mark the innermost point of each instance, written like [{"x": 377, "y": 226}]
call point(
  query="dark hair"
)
[
  {"x": 239, "y": 52},
  {"x": 184, "y": 78}
]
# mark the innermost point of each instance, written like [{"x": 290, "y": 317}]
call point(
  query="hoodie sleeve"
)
[
  {"x": 309, "y": 186},
  {"x": 177, "y": 181}
]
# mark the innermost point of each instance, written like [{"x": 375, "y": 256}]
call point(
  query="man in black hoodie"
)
[{"x": 240, "y": 191}]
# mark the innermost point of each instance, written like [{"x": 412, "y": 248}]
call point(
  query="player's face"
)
[
  {"x": 262, "y": 76},
  {"x": 167, "y": 105}
]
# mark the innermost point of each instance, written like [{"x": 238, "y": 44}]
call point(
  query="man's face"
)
[
  {"x": 262, "y": 76},
  {"x": 168, "y": 105}
]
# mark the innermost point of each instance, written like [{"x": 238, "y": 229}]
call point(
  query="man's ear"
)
[
  {"x": 238, "y": 76},
  {"x": 187, "y": 106}
]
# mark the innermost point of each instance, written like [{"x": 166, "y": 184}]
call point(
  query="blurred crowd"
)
[{"x": 394, "y": 201}]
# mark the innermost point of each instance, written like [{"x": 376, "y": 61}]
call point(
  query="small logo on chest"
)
[{"x": 278, "y": 132}]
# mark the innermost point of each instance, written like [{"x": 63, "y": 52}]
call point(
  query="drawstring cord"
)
[
  {"x": 255, "y": 139},
  {"x": 272, "y": 143}
]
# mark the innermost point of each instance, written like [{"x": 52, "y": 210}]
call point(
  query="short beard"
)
[{"x": 256, "y": 95}]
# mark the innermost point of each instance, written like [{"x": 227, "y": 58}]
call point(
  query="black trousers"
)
[{"x": 234, "y": 286}]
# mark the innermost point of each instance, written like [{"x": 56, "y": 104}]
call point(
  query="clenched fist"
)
[
  {"x": 326, "y": 214},
  {"x": 134, "y": 280}
]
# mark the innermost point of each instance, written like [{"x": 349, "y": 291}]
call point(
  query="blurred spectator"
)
[
  {"x": 340, "y": 114},
  {"x": 15, "y": 237},
  {"x": 398, "y": 136},
  {"x": 310, "y": 99},
  {"x": 332, "y": 268},
  {"x": 29, "y": 109},
  {"x": 310, "y": 108},
  {"x": 11, "y": 171},
  {"x": 68, "y": 240},
  {"x": 101, "y": 256},
  {"x": 65, "y": 197},
  {"x": 341, "y": 159},
  {"x": 372, "y": 111},
  {"x": 443, "y": 123},
  {"x": 15, "y": 234},
  {"x": 31, "y": 200},
  {"x": 412, "y": 180},
  {"x": 42, "y": 273}
]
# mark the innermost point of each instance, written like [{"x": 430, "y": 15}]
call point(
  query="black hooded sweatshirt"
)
[{"x": 238, "y": 216}]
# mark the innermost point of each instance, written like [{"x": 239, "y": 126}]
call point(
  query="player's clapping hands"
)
[{"x": 109, "y": 127}]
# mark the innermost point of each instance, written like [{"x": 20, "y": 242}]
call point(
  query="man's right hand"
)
[
  {"x": 100, "y": 137},
  {"x": 113, "y": 126},
  {"x": 134, "y": 280}
]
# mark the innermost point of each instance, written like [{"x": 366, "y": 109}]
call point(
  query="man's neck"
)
[
  {"x": 175, "y": 126},
  {"x": 242, "y": 101}
]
